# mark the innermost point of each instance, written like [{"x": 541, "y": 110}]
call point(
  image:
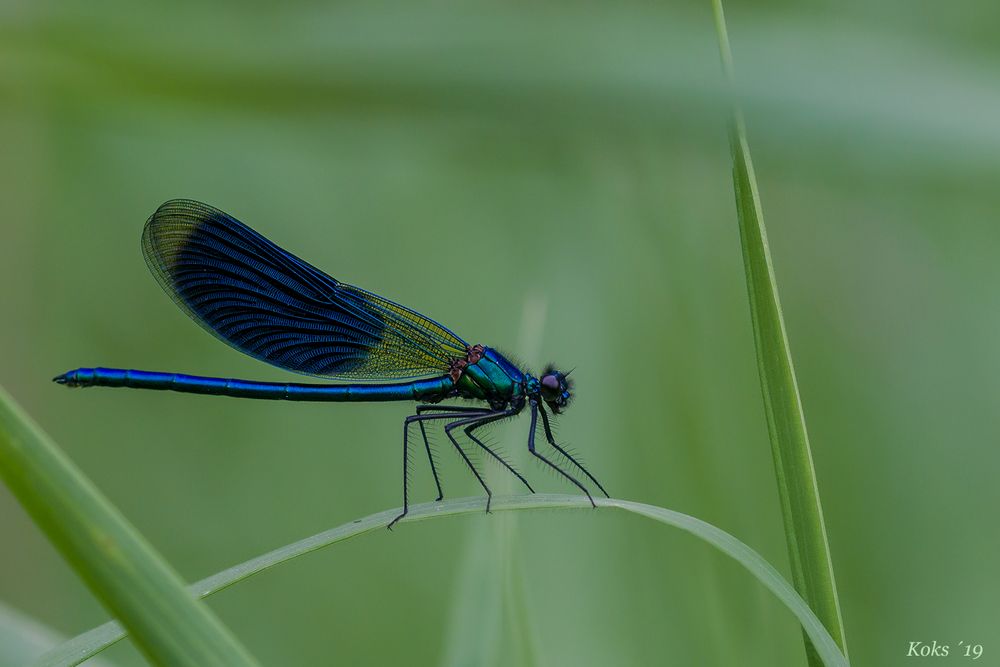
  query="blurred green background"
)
[{"x": 551, "y": 179}]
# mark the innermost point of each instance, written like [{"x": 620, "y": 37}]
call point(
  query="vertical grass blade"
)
[
  {"x": 805, "y": 531},
  {"x": 474, "y": 632},
  {"x": 167, "y": 623}
]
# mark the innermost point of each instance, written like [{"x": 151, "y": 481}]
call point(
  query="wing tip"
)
[
  {"x": 181, "y": 208},
  {"x": 178, "y": 218}
]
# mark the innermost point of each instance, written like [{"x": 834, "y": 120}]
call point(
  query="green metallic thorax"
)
[{"x": 493, "y": 378}]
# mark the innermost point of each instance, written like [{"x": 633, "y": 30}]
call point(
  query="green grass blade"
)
[
  {"x": 83, "y": 646},
  {"x": 23, "y": 639},
  {"x": 805, "y": 531},
  {"x": 474, "y": 632},
  {"x": 168, "y": 625}
]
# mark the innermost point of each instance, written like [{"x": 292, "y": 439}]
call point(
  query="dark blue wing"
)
[{"x": 271, "y": 305}]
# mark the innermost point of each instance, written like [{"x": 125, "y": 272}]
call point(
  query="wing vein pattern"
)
[{"x": 273, "y": 306}]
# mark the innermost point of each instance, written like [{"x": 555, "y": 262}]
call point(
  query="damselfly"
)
[{"x": 270, "y": 304}]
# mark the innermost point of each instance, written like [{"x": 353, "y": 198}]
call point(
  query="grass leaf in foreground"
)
[
  {"x": 90, "y": 643},
  {"x": 168, "y": 625},
  {"x": 805, "y": 531},
  {"x": 23, "y": 638}
]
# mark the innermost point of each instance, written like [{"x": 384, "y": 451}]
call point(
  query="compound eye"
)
[{"x": 550, "y": 382}]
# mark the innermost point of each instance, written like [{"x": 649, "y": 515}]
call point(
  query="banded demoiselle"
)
[{"x": 273, "y": 306}]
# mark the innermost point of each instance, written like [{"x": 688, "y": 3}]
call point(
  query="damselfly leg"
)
[
  {"x": 471, "y": 419},
  {"x": 427, "y": 444},
  {"x": 531, "y": 448},
  {"x": 483, "y": 421},
  {"x": 418, "y": 418},
  {"x": 465, "y": 457},
  {"x": 471, "y": 423},
  {"x": 552, "y": 441}
]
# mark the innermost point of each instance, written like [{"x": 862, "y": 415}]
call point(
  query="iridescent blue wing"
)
[{"x": 270, "y": 304}]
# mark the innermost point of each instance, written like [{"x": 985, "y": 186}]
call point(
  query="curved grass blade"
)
[
  {"x": 90, "y": 643},
  {"x": 23, "y": 638},
  {"x": 122, "y": 570},
  {"x": 805, "y": 531}
]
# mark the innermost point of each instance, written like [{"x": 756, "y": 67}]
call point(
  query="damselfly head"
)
[{"x": 555, "y": 388}]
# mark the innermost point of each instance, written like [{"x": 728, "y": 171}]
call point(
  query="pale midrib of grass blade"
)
[
  {"x": 805, "y": 530},
  {"x": 473, "y": 632},
  {"x": 90, "y": 643},
  {"x": 490, "y": 610},
  {"x": 168, "y": 624},
  {"x": 519, "y": 613}
]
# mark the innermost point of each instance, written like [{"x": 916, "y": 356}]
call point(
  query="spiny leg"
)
[
  {"x": 430, "y": 459},
  {"x": 478, "y": 423},
  {"x": 465, "y": 457},
  {"x": 552, "y": 441},
  {"x": 427, "y": 443},
  {"x": 531, "y": 448},
  {"x": 406, "y": 459}
]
